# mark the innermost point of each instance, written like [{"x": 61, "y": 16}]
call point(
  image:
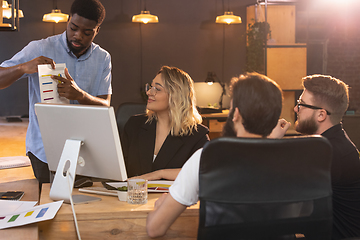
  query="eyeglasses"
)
[
  {"x": 309, "y": 106},
  {"x": 154, "y": 89}
]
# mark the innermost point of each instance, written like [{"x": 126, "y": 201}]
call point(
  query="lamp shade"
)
[
  {"x": 55, "y": 16},
  {"x": 7, "y": 10},
  {"x": 228, "y": 18},
  {"x": 145, "y": 17}
]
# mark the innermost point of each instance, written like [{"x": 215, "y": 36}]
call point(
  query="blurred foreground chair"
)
[
  {"x": 125, "y": 111},
  {"x": 265, "y": 188}
]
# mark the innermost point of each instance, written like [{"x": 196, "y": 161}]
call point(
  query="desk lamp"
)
[{"x": 210, "y": 79}]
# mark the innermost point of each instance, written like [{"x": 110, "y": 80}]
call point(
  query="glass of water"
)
[{"x": 137, "y": 191}]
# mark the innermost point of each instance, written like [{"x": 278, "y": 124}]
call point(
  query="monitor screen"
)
[{"x": 87, "y": 132}]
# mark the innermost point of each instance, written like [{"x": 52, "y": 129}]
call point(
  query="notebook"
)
[{"x": 13, "y": 162}]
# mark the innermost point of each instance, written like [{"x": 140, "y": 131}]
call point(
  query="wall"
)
[
  {"x": 186, "y": 37},
  {"x": 332, "y": 31}
]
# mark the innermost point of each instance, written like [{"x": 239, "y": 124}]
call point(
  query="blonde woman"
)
[{"x": 157, "y": 144}]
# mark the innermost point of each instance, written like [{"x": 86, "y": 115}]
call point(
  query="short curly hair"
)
[{"x": 90, "y": 9}]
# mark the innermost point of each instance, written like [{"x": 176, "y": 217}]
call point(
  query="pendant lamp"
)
[
  {"x": 7, "y": 10},
  {"x": 145, "y": 17},
  {"x": 228, "y": 18},
  {"x": 55, "y": 16}
]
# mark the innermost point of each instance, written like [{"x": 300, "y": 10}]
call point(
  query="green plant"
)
[{"x": 257, "y": 35}]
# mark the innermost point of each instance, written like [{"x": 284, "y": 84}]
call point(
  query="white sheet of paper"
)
[
  {"x": 30, "y": 215},
  {"x": 48, "y": 87},
  {"x": 9, "y": 207}
]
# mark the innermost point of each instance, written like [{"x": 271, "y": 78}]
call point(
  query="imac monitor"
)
[{"x": 80, "y": 139}]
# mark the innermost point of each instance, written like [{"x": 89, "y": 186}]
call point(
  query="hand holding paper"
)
[
  {"x": 48, "y": 87},
  {"x": 67, "y": 87},
  {"x": 31, "y": 67}
]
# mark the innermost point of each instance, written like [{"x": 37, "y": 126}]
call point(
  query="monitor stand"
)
[{"x": 62, "y": 186}]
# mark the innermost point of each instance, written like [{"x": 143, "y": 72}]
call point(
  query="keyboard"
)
[{"x": 99, "y": 190}]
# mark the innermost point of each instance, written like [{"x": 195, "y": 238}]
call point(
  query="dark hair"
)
[
  {"x": 329, "y": 93},
  {"x": 90, "y": 9},
  {"x": 259, "y": 100}
]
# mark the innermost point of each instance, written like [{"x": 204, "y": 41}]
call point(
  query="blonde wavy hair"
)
[{"x": 184, "y": 116}]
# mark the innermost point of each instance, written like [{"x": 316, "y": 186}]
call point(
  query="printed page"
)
[
  {"x": 30, "y": 215},
  {"x": 8, "y": 207},
  {"x": 48, "y": 87}
]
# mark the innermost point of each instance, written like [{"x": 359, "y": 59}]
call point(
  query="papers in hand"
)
[{"x": 48, "y": 87}]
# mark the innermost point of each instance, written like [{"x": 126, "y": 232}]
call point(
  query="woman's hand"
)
[{"x": 168, "y": 174}]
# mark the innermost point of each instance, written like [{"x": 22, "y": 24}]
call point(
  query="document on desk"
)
[
  {"x": 48, "y": 87},
  {"x": 13, "y": 162},
  {"x": 153, "y": 186},
  {"x": 27, "y": 215}
]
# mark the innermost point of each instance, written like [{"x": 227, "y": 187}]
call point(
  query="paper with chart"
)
[
  {"x": 48, "y": 87},
  {"x": 29, "y": 215}
]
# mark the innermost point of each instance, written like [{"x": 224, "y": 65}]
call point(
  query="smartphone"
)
[{"x": 11, "y": 195}]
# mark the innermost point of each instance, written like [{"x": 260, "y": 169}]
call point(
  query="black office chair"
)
[
  {"x": 125, "y": 111},
  {"x": 265, "y": 188}
]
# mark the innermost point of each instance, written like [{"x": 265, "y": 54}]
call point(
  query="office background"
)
[{"x": 187, "y": 37}]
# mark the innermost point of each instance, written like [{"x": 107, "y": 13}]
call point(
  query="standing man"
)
[
  {"x": 320, "y": 109},
  {"x": 87, "y": 78}
]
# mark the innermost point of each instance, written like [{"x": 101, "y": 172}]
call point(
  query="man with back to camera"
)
[
  {"x": 87, "y": 77},
  {"x": 251, "y": 93},
  {"x": 320, "y": 109}
]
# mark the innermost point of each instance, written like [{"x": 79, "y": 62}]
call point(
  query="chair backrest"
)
[
  {"x": 265, "y": 188},
  {"x": 125, "y": 111}
]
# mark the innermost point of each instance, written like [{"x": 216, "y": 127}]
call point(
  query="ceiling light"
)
[
  {"x": 7, "y": 10},
  {"x": 228, "y": 18},
  {"x": 145, "y": 17},
  {"x": 55, "y": 16}
]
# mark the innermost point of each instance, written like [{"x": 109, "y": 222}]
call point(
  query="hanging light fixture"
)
[
  {"x": 7, "y": 10},
  {"x": 55, "y": 16},
  {"x": 228, "y": 18},
  {"x": 145, "y": 17}
]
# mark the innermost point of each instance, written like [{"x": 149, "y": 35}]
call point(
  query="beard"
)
[
  {"x": 307, "y": 126},
  {"x": 73, "y": 49}
]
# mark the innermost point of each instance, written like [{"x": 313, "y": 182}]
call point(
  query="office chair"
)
[
  {"x": 125, "y": 111},
  {"x": 265, "y": 188}
]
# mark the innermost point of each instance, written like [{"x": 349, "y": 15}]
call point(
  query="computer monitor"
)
[{"x": 80, "y": 139}]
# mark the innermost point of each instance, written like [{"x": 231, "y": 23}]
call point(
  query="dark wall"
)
[{"x": 186, "y": 37}]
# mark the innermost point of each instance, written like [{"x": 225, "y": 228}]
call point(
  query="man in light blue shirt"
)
[{"x": 87, "y": 78}]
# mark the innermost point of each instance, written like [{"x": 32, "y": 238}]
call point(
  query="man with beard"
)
[
  {"x": 319, "y": 111},
  {"x": 87, "y": 78},
  {"x": 256, "y": 108}
]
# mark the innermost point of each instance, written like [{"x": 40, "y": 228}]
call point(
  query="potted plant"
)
[{"x": 257, "y": 35}]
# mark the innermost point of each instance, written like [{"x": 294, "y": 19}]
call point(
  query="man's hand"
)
[
  {"x": 67, "y": 87},
  {"x": 30, "y": 67},
  {"x": 8, "y": 75},
  {"x": 280, "y": 129}
]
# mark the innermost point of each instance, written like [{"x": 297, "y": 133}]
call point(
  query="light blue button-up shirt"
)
[{"x": 91, "y": 72}]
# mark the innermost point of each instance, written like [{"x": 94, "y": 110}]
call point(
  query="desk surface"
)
[
  {"x": 20, "y": 179},
  {"x": 112, "y": 219}
]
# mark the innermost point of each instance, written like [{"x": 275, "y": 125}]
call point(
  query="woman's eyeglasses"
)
[
  {"x": 153, "y": 89},
  {"x": 309, "y": 106}
]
